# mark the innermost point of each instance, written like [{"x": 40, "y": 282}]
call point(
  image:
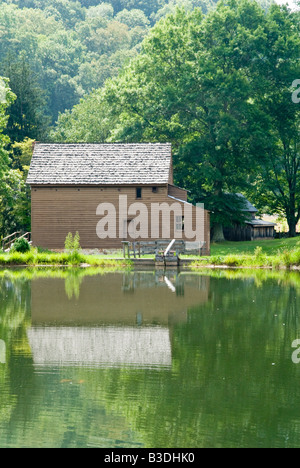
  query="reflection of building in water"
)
[
  {"x": 103, "y": 346},
  {"x": 133, "y": 298},
  {"x": 115, "y": 319}
]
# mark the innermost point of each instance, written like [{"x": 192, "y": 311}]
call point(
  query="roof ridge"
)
[{"x": 100, "y": 144}]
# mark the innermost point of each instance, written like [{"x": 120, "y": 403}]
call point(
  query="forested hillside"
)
[{"x": 56, "y": 51}]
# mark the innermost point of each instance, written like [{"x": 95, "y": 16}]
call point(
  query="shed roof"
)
[
  {"x": 260, "y": 223},
  {"x": 248, "y": 206},
  {"x": 100, "y": 164}
]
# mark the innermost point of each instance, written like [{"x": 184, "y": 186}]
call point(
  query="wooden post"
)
[{"x": 133, "y": 244}]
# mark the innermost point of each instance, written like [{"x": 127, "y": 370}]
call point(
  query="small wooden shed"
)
[{"x": 252, "y": 229}]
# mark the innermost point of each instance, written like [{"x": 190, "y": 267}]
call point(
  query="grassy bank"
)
[
  {"x": 34, "y": 258},
  {"x": 281, "y": 253},
  {"x": 269, "y": 247}
]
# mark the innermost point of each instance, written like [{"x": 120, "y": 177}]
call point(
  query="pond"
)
[{"x": 149, "y": 359}]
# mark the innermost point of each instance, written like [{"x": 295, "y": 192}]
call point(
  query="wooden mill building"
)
[{"x": 69, "y": 182}]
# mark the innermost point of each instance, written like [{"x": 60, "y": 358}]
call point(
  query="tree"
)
[
  {"x": 27, "y": 118},
  {"x": 208, "y": 86},
  {"x": 21, "y": 155},
  {"x": 133, "y": 18},
  {"x": 15, "y": 203},
  {"x": 89, "y": 121},
  {"x": 190, "y": 85},
  {"x": 103, "y": 10},
  {"x": 188, "y": 5},
  {"x": 277, "y": 184},
  {"x": 14, "y": 194},
  {"x": 6, "y": 99},
  {"x": 10, "y": 181},
  {"x": 67, "y": 11}
]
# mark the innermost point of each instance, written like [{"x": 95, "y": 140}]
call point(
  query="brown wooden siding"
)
[
  {"x": 262, "y": 232},
  {"x": 248, "y": 233},
  {"x": 177, "y": 192},
  {"x": 56, "y": 211}
]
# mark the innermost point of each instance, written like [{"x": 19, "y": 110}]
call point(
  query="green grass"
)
[
  {"x": 269, "y": 247},
  {"x": 34, "y": 258},
  {"x": 281, "y": 253},
  {"x": 277, "y": 253}
]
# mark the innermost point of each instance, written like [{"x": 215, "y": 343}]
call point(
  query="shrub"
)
[
  {"x": 258, "y": 253},
  {"x": 21, "y": 246},
  {"x": 72, "y": 246},
  {"x": 233, "y": 260},
  {"x": 215, "y": 260}
]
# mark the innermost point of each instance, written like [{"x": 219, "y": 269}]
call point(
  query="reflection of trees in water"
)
[
  {"x": 15, "y": 303},
  {"x": 232, "y": 381},
  {"x": 72, "y": 284}
]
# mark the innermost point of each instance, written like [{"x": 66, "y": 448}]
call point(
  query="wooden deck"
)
[
  {"x": 167, "y": 252},
  {"x": 151, "y": 262}
]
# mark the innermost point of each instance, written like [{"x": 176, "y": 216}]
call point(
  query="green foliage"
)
[
  {"x": 72, "y": 244},
  {"x": 6, "y": 99},
  {"x": 34, "y": 258},
  {"x": 72, "y": 247},
  {"x": 69, "y": 242},
  {"x": 196, "y": 83},
  {"x": 15, "y": 202},
  {"x": 27, "y": 117},
  {"x": 56, "y": 51},
  {"x": 265, "y": 254},
  {"x": 227, "y": 345},
  {"x": 218, "y": 88},
  {"x": 215, "y": 86},
  {"x": 258, "y": 252},
  {"x": 68, "y": 48},
  {"x": 277, "y": 180},
  {"x": 21, "y": 246},
  {"x": 22, "y": 154},
  {"x": 267, "y": 247},
  {"x": 14, "y": 205}
]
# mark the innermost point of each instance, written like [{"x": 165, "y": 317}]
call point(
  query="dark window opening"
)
[
  {"x": 138, "y": 192},
  {"x": 154, "y": 189}
]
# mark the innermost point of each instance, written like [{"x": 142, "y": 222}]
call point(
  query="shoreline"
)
[
  {"x": 287, "y": 259},
  {"x": 121, "y": 265}
]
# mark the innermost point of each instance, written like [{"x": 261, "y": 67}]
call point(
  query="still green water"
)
[{"x": 143, "y": 359}]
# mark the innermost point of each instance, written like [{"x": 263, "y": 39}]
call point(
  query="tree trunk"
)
[
  {"x": 218, "y": 233},
  {"x": 292, "y": 226}
]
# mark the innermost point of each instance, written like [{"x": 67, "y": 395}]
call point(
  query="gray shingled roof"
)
[
  {"x": 100, "y": 164},
  {"x": 248, "y": 206},
  {"x": 260, "y": 222}
]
